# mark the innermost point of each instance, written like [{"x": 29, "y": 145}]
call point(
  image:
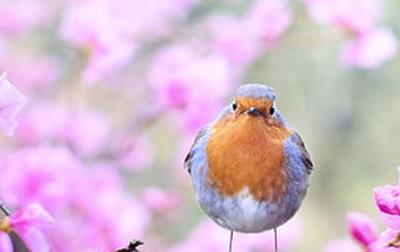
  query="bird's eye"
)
[
  {"x": 234, "y": 105},
  {"x": 271, "y": 110}
]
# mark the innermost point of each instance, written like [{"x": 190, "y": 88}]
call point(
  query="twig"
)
[
  {"x": 4, "y": 209},
  {"x": 132, "y": 247}
]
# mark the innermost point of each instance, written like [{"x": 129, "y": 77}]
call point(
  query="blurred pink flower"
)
[
  {"x": 160, "y": 201},
  {"x": 143, "y": 20},
  {"x": 30, "y": 72},
  {"x": 110, "y": 216},
  {"x": 33, "y": 130},
  {"x": 385, "y": 239},
  {"x": 208, "y": 236},
  {"x": 230, "y": 37},
  {"x": 357, "y": 16},
  {"x": 362, "y": 228},
  {"x": 134, "y": 153},
  {"x": 387, "y": 198},
  {"x": 89, "y": 26},
  {"x": 44, "y": 174},
  {"x": 88, "y": 200},
  {"x": 112, "y": 31},
  {"x": 370, "y": 50},
  {"x": 268, "y": 20},
  {"x": 16, "y": 19},
  {"x": 344, "y": 245},
  {"x": 184, "y": 79},
  {"x": 86, "y": 131},
  {"x": 11, "y": 103},
  {"x": 32, "y": 214},
  {"x": 26, "y": 223},
  {"x": 391, "y": 221},
  {"x": 5, "y": 243}
]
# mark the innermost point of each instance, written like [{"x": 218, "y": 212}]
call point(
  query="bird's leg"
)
[
  {"x": 231, "y": 241},
  {"x": 276, "y": 239}
]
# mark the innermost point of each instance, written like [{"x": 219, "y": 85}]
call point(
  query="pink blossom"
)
[
  {"x": 42, "y": 174},
  {"x": 230, "y": 37},
  {"x": 362, "y": 228},
  {"x": 358, "y": 16},
  {"x": 15, "y": 18},
  {"x": 160, "y": 201},
  {"x": 86, "y": 131},
  {"x": 269, "y": 19},
  {"x": 112, "y": 31},
  {"x": 183, "y": 79},
  {"x": 11, "y": 103},
  {"x": 370, "y": 50},
  {"x": 208, "y": 236},
  {"x": 385, "y": 239},
  {"x": 387, "y": 198},
  {"x": 89, "y": 200},
  {"x": 89, "y": 26},
  {"x": 30, "y": 72},
  {"x": 32, "y": 214},
  {"x": 5, "y": 243},
  {"x": 110, "y": 217},
  {"x": 344, "y": 245},
  {"x": 143, "y": 20},
  {"x": 26, "y": 222},
  {"x": 133, "y": 152},
  {"x": 391, "y": 221},
  {"x": 33, "y": 131}
]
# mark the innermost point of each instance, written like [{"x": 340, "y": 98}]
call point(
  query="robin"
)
[{"x": 249, "y": 169}]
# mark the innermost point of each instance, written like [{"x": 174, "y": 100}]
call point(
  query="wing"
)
[
  {"x": 306, "y": 158},
  {"x": 189, "y": 157}
]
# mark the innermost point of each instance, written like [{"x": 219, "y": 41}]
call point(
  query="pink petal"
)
[
  {"x": 33, "y": 238},
  {"x": 362, "y": 228},
  {"x": 370, "y": 50},
  {"x": 184, "y": 78},
  {"x": 160, "y": 201},
  {"x": 5, "y": 243},
  {"x": 15, "y": 18},
  {"x": 269, "y": 19},
  {"x": 231, "y": 37},
  {"x": 90, "y": 26},
  {"x": 32, "y": 214},
  {"x": 86, "y": 131},
  {"x": 11, "y": 103},
  {"x": 391, "y": 221},
  {"x": 356, "y": 16},
  {"x": 381, "y": 245},
  {"x": 387, "y": 198}
]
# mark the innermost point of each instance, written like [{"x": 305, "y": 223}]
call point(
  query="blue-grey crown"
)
[{"x": 256, "y": 91}]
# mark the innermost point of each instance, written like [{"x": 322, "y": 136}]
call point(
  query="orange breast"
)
[{"x": 245, "y": 151}]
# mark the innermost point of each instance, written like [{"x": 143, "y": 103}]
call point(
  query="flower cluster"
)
[
  {"x": 27, "y": 223},
  {"x": 371, "y": 44},
  {"x": 365, "y": 232}
]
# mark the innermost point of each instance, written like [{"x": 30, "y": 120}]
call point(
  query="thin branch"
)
[{"x": 4, "y": 209}]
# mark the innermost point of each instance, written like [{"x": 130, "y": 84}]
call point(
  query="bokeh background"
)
[{"x": 117, "y": 91}]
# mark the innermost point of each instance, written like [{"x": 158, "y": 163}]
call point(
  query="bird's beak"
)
[{"x": 253, "y": 111}]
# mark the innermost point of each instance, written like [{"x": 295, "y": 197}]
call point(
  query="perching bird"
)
[{"x": 249, "y": 169}]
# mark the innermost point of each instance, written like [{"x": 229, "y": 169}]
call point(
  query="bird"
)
[{"x": 249, "y": 168}]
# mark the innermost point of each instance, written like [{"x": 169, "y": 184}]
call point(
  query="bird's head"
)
[{"x": 256, "y": 101}]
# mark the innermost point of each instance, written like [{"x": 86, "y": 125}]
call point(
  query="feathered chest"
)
[{"x": 247, "y": 152}]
